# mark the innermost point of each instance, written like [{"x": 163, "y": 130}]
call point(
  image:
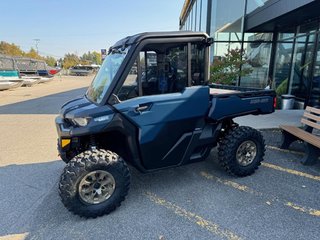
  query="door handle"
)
[{"x": 142, "y": 108}]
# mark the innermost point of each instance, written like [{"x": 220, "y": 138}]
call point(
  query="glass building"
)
[{"x": 279, "y": 41}]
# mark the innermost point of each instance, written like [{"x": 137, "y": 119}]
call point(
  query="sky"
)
[{"x": 78, "y": 26}]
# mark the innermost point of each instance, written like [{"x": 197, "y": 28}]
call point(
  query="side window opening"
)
[
  {"x": 149, "y": 69},
  {"x": 130, "y": 88},
  {"x": 163, "y": 69},
  {"x": 197, "y": 64}
]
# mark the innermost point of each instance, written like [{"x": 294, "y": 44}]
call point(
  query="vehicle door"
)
[{"x": 157, "y": 97}]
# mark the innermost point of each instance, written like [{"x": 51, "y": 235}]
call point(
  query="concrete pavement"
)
[
  {"x": 27, "y": 114},
  {"x": 279, "y": 117}
]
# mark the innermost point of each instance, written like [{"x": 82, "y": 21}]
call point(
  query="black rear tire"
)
[
  {"x": 241, "y": 151},
  {"x": 92, "y": 162}
]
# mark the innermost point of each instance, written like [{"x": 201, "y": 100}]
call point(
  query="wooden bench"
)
[{"x": 311, "y": 121}]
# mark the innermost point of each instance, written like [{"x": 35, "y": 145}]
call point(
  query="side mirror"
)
[{"x": 209, "y": 41}]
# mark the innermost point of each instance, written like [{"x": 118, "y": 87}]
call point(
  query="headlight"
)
[
  {"x": 82, "y": 122},
  {"x": 102, "y": 118}
]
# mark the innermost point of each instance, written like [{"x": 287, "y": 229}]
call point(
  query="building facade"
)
[{"x": 278, "y": 40}]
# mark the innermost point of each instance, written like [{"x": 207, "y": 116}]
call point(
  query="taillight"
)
[{"x": 275, "y": 102}]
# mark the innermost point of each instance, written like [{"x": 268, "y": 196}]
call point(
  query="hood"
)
[{"x": 82, "y": 107}]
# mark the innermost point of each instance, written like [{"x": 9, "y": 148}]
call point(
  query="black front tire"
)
[
  {"x": 233, "y": 145},
  {"x": 85, "y": 163}
]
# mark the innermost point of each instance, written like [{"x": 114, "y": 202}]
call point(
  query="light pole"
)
[{"x": 37, "y": 40}]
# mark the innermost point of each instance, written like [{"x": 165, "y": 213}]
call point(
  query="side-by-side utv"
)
[{"x": 151, "y": 106}]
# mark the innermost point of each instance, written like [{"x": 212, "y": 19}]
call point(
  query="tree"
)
[
  {"x": 70, "y": 60},
  {"x": 86, "y": 58},
  {"x": 33, "y": 54},
  {"x": 51, "y": 61},
  {"x": 10, "y": 49},
  {"x": 96, "y": 58},
  {"x": 228, "y": 69},
  {"x": 91, "y": 58}
]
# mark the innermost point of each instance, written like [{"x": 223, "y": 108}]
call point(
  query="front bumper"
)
[
  {"x": 63, "y": 129},
  {"x": 62, "y": 152},
  {"x": 72, "y": 135},
  {"x": 64, "y": 137}
]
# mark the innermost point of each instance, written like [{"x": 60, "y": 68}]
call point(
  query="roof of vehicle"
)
[{"x": 141, "y": 36}]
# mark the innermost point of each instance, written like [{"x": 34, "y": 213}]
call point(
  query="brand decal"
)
[{"x": 259, "y": 100}]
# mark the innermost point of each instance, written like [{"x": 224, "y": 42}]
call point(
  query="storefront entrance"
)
[
  {"x": 297, "y": 64},
  {"x": 314, "y": 99}
]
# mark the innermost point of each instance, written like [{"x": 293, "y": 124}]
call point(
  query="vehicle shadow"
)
[{"x": 50, "y": 104}]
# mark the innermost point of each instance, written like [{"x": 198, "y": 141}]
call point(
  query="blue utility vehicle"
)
[{"x": 151, "y": 106}]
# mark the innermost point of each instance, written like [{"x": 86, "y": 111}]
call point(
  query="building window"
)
[
  {"x": 282, "y": 67},
  {"x": 199, "y": 2},
  {"x": 257, "y": 57},
  {"x": 315, "y": 83},
  {"x": 257, "y": 53},
  {"x": 191, "y": 19},
  {"x": 294, "y": 69},
  {"x": 195, "y": 11},
  {"x": 204, "y": 9},
  {"x": 301, "y": 66},
  {"x": 226, "y": 19},
  {"x": 254, "y": 4},
  {"x": 225, "y": 63}
]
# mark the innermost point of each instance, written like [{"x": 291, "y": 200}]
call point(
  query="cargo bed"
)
[{"x": 232, "y": 101}]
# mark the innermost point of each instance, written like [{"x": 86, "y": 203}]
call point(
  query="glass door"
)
[
  {"x": 315, "y": 83},
  {"x": 302, "y": 66}
]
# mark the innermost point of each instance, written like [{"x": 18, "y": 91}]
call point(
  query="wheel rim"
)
[
  {"x": 96, "y": 187},
  {"x": 246, "y": 153}
]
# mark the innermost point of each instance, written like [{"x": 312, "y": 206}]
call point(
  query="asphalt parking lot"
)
[{"x": 198, "y": 201}]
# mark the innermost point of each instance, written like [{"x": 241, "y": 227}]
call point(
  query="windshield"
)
[{"x": 105, "y": 76}]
